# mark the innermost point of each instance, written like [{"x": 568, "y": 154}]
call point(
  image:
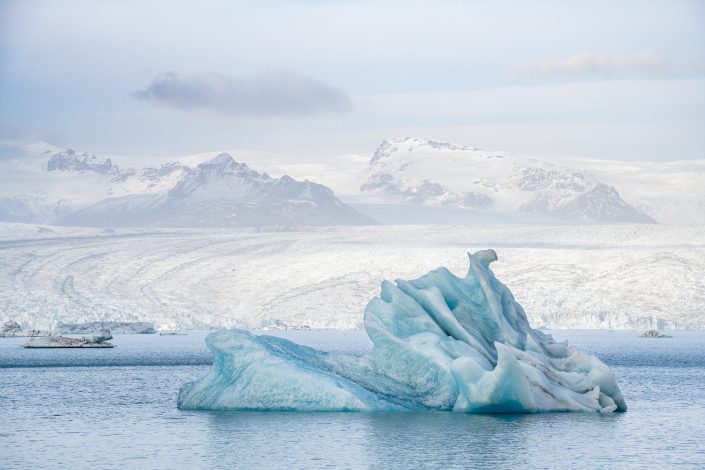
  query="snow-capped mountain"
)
[
  {"x": 407, "y": 181},
  {"x": 113, "y": 180},
  {"x": 69, "y": 160},
  {"x": 36, "y": 207},
  {"x": 217, "y": 193},
  {"x": 222, "y": 193},
  {"x": 427, "y": 172}
]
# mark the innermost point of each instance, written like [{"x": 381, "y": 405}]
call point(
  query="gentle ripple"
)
[{"x": 117, "y": 409}]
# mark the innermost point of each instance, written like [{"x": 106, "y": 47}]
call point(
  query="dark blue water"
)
[{"x": 116, "y": 408}]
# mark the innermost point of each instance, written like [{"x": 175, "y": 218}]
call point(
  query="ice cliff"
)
[
  {"x": 441, "y": 342},
  {"x": 117, "y": 327}
]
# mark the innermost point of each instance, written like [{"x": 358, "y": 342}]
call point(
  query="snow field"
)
[{"x": 595, "y": 276}]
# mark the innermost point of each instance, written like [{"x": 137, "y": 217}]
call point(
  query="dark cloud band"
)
[{"x": 275, "y": 94}]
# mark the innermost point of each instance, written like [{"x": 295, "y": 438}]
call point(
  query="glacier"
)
[
  {"x": 116, "y": 327},
  {"x": 168, "y": 276},
  {"x": 440, "y": 342}
]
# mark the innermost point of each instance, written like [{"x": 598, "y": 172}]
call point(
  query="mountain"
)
[
  {"x": 407, "y": 181},
  {"x": 70, "y": 161},
  {"x": 37, "y": 207},
  {"x": 223, "y": 193},
  {"x": 217, "y": 193},
  {"x": 426, "y": 172},
  {"x": 111, "y": 180}
]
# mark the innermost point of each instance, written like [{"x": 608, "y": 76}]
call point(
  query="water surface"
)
[{"x": 116, "y": 408}]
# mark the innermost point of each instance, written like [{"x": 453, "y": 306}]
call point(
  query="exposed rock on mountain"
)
[
  {"x": 421, "y": 171},
  {"x": 223, "y": 193},
  {"x": 71, "y": 161},
  {"x": 218, "y": 193}
]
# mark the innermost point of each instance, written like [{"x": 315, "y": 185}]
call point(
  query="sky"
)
[{"x": 315, "y": 82}]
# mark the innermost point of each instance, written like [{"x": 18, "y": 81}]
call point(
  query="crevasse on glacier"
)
[{"x": 441, "y": 342}]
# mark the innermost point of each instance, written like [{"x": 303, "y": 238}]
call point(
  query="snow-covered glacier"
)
[
  {"x": 441, "y": 342},
  {"x": 595, "y": 276}
]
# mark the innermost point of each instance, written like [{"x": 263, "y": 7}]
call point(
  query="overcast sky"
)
[{"x": 309, "y": 81}]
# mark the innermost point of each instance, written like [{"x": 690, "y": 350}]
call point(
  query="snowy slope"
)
[
  {"x": 407, "y": 181},
  {"x": 221, "y": 192},
  {"x": 670, "y": 192},
  {"x": 37, "y": 207},
  {"x": 595, "y": 276},
  {"x": 434, "y": 173}
]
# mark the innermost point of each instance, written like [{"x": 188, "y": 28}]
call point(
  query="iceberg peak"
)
[
  {"x": 484, "y": 257},
  {"x": 440, "y": 342}
]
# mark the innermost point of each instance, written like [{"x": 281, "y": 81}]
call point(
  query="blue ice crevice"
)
[{"x": 440, "y": 342}]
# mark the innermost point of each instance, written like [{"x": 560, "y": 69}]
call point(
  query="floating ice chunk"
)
[
  {"x": 654, "y": 334},
  {"x": 441, "y": 342},
  {"x": 64, "y": 342}
]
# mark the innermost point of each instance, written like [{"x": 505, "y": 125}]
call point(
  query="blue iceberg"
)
[{"x": 441, "y": 342}]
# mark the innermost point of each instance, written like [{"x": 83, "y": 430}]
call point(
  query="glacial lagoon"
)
[{"x": 116, "y": 408}]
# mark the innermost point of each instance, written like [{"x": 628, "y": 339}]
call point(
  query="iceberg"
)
[
  {"x": 97, "y": 341},
  {"x": 440, "y": 342},
  {"x": 654, "y": 334}
]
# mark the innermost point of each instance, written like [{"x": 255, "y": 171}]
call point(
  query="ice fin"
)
[{"x": 440, "y": 343}]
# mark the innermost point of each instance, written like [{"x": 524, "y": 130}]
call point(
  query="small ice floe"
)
[
  {"x": 172, "y": 333},
  {"x": 654, "y": 334},
  {"x": 95, "y": 341}
]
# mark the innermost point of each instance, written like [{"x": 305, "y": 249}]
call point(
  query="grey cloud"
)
[
  {"x": 604, "y": 65},
  {"x": 274, "y": 94}
]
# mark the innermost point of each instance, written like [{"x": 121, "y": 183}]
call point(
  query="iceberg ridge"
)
[{"x": 441, "y": 342}]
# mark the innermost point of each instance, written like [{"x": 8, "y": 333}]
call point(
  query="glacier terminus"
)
[{"x": 440, "y": 342}]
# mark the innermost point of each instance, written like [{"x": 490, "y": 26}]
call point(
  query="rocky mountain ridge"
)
[
  {"x": 427, "y": 172},
  {"x": 220, "y": 192}
]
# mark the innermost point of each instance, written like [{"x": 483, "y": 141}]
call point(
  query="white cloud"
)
[{"x": 646, "y": 64}]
